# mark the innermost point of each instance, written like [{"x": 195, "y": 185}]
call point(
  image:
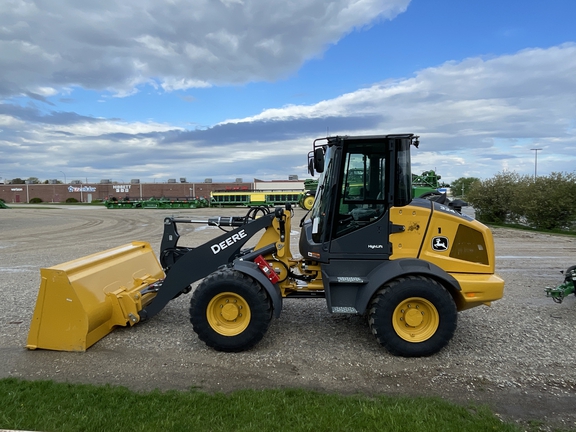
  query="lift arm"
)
[{"x": 184, "y": 266}]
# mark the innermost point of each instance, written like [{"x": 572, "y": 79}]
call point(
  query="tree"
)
[
  {"x": 548, "y": 202},
  {"x": 17, "y": 180},
  {"x": 461, "y": 186},
  {"x": 494, "y": 199},
  {"x": 544, "y": 202}
]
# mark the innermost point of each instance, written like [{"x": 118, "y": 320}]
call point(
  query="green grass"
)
[{"x": 49, "y": 406}]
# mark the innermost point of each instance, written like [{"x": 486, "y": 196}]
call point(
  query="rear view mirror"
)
[
  {"x": 311, "y": 164},
  {"x": 319, "y": 159},
  {"x": 316, "y": 161}
]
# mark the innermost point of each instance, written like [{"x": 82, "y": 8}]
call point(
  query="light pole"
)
[
  {"x": 64, "y": 176},
  {"x": 536, "y": 150}
]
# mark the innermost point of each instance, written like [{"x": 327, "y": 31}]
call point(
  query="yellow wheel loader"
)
[{"x": 365, "y": 246}]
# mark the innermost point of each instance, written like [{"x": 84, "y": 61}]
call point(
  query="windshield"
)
[{"x": 321, "y": 206}]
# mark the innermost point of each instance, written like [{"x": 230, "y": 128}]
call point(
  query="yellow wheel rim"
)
[
  {"x": 228, "y": 314},
  {"x": 415, "y": 319},
  {"x": 308, "y": 202}
]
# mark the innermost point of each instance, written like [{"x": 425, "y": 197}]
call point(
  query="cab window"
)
[{"x": 362, "y": 199}]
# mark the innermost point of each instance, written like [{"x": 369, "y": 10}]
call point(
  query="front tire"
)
[
  {"x": 230, "y": 311},
  {"x": 413, "y": 316}
]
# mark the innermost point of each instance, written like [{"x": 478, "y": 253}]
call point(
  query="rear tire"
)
[
  {"x": 413, "y": 316},
  {"x": 230, "y": 311}
]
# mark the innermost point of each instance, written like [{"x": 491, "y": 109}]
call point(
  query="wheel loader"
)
[{"x": 365, "y": 247}]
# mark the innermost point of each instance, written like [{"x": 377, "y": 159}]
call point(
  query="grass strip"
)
[
  {"x": 567, "y": 232},
  {"x": 50, "y": 406}
]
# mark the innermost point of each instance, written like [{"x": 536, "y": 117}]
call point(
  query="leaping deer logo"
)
[{"x": 440, "y": 244}]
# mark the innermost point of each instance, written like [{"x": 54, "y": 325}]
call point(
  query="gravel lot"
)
[{"x": 517, "y": 356}]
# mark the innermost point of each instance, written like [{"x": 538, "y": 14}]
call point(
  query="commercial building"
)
[{"x": 88, "y": 192}]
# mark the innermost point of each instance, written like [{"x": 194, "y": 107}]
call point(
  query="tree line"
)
[
  {"x": 543, "y": 202},
  {"x": 30, "y": 180}
]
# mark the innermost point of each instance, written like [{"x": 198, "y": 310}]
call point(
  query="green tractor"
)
[
  {"x": 306, "y": 200},
  {"x": 426, "y": 185},
  {"x": 566, "y": 288}
]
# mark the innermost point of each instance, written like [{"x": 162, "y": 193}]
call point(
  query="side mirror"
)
[
  {"x": 319, "y": 159},
  {"x": 311, "y": 164}
]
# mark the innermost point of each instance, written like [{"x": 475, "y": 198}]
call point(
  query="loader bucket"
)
[{"x": 81, "y": 301}]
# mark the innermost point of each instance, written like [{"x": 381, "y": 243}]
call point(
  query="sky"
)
[{"x": 225, "y": 89}]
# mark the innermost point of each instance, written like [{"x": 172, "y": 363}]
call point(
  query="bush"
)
[
  {"x": 492, "y": 198},
  {"x": 71, "y": 200},
  {"x": 549, "y": 202},
  {"x": 35, "y": 200},
  {"x": 546, "y": 202}
]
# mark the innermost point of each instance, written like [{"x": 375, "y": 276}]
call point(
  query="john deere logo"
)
[{"x": 440, "y": 244}]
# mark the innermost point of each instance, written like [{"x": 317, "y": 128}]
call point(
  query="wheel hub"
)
[
  {"x": 228, "y": 314},
  {"x": 230, "y": 311},
  {"x": 415, "y": 319}
]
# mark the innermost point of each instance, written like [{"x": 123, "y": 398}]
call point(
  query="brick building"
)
[{"x": 88, "y": 192}]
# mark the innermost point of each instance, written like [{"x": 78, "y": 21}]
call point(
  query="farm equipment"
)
[
  {"x": 306, "y": 200},
  {"x": 365, "y": 247},
  {"x": 253, "y": 198},
  {"x": 564, "y": 289},
  {"x": 161, "y": 203},
  {"x": 428, "y": 186},
  {"x": 425, "y": 185}
]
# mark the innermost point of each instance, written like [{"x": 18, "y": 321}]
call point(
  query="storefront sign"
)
[
  {"x": 121, "y": 188},
  {"x": 81, "y": 189}
]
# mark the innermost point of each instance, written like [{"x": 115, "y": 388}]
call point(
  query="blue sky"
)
[{"x": 224, "y": 89}]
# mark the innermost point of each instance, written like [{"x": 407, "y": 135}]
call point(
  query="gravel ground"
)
[{"x": 516, "y": 357}]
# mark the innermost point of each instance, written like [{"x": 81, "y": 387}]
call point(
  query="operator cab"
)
[{"x": 361, "y": 179}]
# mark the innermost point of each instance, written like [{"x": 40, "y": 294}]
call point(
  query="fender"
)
[
  {"x": 273, "y": 290},
  {"x": 390, "y": 270}
]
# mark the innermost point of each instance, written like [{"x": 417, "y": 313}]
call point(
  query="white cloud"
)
[
  {"x": 119, "y": 45},
  {"x": 171, "y": 84},
  {"x": 475, "y": 118},
  {"x": 466, "y": 106}
]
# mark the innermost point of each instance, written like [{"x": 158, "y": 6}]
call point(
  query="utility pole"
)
[{"x": 536, "y": 150}]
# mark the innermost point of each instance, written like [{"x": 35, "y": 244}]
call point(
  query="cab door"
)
[{"x": 360, "y": 226}]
